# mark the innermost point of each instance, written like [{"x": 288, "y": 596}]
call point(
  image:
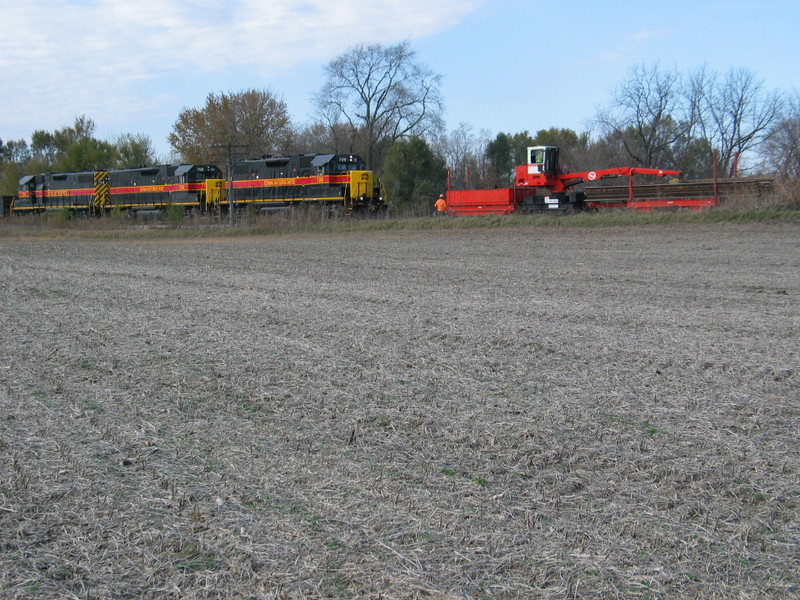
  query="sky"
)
[{"x": 507, "y": 65}]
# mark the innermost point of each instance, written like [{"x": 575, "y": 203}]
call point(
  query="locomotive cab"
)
[
  {"x": 26, "y": 196},
  {"x": 199, "y": 184},
  {"x": 335, "y": 164}
]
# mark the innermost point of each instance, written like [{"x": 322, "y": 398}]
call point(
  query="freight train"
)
[{"x": 338, "y": 182}]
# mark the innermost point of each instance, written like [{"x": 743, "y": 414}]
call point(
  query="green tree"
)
[
  {"x": 10, "y": 174},
  {"x": 572, "y": 146},
  {"x": 505, "y": 152},
  {"x": 87, "y": 154},
  {"x": 49, "y": 147},
  {"x": 13, "y": 154},
  {"x": 133, "y": 150},
  {"x": 500, "y": 157},
  {"x": 413, "y": 176},
  {"x": 14, "y": 151},
  {"x": 71, "y": 148},
  {"x": 255, "y": 121}
]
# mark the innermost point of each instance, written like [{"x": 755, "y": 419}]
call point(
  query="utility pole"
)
[{"x": 232, "y": 154}]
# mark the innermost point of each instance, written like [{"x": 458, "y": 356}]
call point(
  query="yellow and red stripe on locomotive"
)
[
  {"x": 144, "y": 188},
  {"x": 331, "y": 180}
]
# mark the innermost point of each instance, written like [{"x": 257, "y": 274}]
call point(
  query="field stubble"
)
[{"x": 549, "y": 413}]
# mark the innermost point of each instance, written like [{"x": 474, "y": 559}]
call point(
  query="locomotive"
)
[
  {"x": 144, "y": 188},
  {"x": 338, "y": 182}
]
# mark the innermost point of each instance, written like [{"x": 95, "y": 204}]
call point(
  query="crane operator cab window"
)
[
  {"x": 542, "y": 159},
  {"x": 537, "y": 156}
]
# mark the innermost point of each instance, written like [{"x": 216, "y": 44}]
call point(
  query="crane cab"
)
[
  {"x": 541, "y": 168},
  {"x": 543, "y": 160}
]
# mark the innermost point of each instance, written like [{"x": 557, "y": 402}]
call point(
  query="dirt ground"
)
[{"x": 521, "y": 413}]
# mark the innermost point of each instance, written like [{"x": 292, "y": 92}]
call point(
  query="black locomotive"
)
[
  {"x": 145, "y": 188},
  {"x": 338, "y": 182}
]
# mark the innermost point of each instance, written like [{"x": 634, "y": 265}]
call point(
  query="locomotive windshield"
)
[
  {"x": 343, "y": 164},
  {"x": 196, "y": 173},
  {"x": 331, "y": 164}
]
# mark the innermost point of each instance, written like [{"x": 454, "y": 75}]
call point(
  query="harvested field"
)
[{"x": 512, "y": 413}]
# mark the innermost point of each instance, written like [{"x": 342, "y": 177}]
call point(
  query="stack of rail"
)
[{"x": 696, "y": 194}]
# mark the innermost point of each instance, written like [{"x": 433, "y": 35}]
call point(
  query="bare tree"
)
[
  {"x": 736, "y": 112},
  {"x": 782, "y": 147},
  {"x": 382, "y": 94},
  {"x": 646, "y": 116},
  {"x": 254, "y": 120},
  {"x": 462, "y": 151},
  {"x": 659, "y": 119}
]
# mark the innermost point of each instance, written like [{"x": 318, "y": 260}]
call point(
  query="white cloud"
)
[{"x": 63, "y": 58}]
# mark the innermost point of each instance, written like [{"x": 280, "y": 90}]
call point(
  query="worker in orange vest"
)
[{"x": 441, "y": 206}]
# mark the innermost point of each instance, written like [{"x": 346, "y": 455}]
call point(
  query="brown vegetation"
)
[{"x": 552, "y": 413}]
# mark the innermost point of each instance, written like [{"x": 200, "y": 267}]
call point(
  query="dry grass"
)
[
  {"x": 787, "y": 194},
  {"x": 546, "y": 412}
]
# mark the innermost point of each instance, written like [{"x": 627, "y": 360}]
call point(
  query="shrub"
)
[{"x": 175, "y": 214}]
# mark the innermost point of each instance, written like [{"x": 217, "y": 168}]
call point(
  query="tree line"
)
[{"x": 382, "y": 103}]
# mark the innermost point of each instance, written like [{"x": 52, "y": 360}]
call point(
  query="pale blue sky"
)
[{"x": 508, "y": 65}]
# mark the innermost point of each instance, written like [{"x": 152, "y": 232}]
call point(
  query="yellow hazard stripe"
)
[{"x": 102, "y": 188}]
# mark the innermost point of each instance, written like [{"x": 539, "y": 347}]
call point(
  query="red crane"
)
[
  {"x": 539, "y": 186},
  {"x": 543, "y": 171}
]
